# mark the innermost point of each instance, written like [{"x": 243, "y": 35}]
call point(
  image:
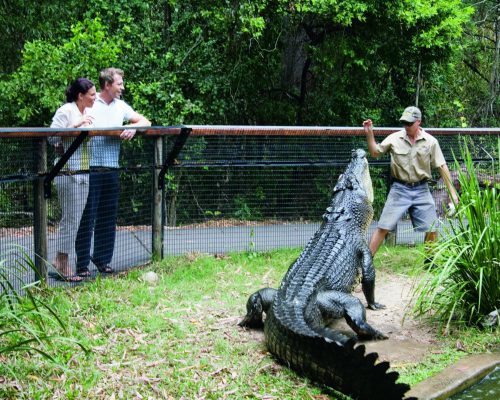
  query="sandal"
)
[
  {"x": 65, "y": 278},
  {"x": 84, "y": 273},
  {"x": 105, "y": 269}
]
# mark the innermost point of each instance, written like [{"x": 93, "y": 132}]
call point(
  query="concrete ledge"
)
[{"x": 456, "y": 377}]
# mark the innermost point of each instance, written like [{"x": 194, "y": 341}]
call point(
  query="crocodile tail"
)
[{"x": 343, "y": 367}]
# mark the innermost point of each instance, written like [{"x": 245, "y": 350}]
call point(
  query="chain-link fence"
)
[{"x": 186, "y": 189}]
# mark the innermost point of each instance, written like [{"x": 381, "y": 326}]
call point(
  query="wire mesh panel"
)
[
  {"x": 216, "y": 190},
  {"x": 244, "y": 208},
  {"x": 16, "y": 208},
  {"x": 16, "y": 230},
  {"x": 106, "y": 224},
  {"x": 26, "y": 166},
  {"x": 260, "y": 191},
  {"x": 231, "y": 193}
]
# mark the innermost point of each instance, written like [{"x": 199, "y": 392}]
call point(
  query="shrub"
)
[{"x": 462, "y": 286}]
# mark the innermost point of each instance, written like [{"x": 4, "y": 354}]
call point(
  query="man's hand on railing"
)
[{"x": 127, "y": 134}]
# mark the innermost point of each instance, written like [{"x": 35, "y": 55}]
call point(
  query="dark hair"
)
[
  {"x": 107, "y": 75},
  {"x": 79, "y": 85}
]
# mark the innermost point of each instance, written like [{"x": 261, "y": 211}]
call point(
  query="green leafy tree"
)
[
  {"x": 36, "y": 89},
  {"x": 261, "y": 62},
  {"x": 464, "y": 89},
  {"x": 322, "y": 62},
  {"x": 23, "y": 21}
]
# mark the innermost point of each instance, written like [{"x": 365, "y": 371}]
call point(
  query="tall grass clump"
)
[
  {"x": 27, "y": 322},
  {"x": 463, "y": 284}
]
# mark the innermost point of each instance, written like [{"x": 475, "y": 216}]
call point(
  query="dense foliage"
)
[{"x": 325, "y": 62}]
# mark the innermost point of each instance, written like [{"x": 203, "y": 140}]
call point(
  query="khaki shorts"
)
[{"x": 417, "y": 201}]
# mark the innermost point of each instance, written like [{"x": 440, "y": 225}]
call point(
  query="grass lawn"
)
[{"x": 178, "y": 338}]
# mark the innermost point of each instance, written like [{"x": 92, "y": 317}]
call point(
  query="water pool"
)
[{"x": 486, "y": 389}]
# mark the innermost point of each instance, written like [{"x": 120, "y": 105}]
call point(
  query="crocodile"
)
[{"x": 317, "y": 289}]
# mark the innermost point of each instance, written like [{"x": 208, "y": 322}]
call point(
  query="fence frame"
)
[{"x": 162, "y": 163}]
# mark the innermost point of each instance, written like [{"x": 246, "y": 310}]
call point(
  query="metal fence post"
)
[
  {"x": 40, "y": 209},
  {"x": 157, "y": 220}
]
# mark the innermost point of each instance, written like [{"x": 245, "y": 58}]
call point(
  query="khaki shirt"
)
[{"x": 412, "y": 163}]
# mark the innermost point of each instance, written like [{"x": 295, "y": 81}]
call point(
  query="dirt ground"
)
[{"x": 409, "y": 340}]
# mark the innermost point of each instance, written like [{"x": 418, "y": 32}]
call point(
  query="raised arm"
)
[{"x": 370, "y": 138}]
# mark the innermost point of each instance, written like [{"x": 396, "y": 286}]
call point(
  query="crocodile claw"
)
[{"x": 375, "y": 306}]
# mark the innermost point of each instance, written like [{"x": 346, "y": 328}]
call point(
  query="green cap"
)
[{"x": 411, "y": 114}]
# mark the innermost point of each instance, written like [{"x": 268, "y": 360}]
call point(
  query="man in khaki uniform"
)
[{"x": 413, "y": 153}]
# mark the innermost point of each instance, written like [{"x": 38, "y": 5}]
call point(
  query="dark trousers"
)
[{"x": 99, "y": 219}]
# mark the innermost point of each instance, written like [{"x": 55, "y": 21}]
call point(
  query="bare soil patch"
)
[{"x": 410, "y": 339}]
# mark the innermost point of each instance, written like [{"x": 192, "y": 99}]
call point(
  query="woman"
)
[{"x": 72, "y": 186}]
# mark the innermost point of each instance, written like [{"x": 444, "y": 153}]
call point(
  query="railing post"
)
[
  {"x": 40, "y": 209},
  {"x": 158, "y": 190}
]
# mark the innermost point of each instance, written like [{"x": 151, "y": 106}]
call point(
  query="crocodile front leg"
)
[
  {"x": 257, "y": 304},
  {"x": 335, "y": 304},
  {"x": 368, "y": 280},
  {"x": 369, "y": 292}
]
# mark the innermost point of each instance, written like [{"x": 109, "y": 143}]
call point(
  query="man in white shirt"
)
[{"x": 99, "y": 217}]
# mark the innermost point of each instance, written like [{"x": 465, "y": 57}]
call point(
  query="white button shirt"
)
[{"x": 105, "y": 150}]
